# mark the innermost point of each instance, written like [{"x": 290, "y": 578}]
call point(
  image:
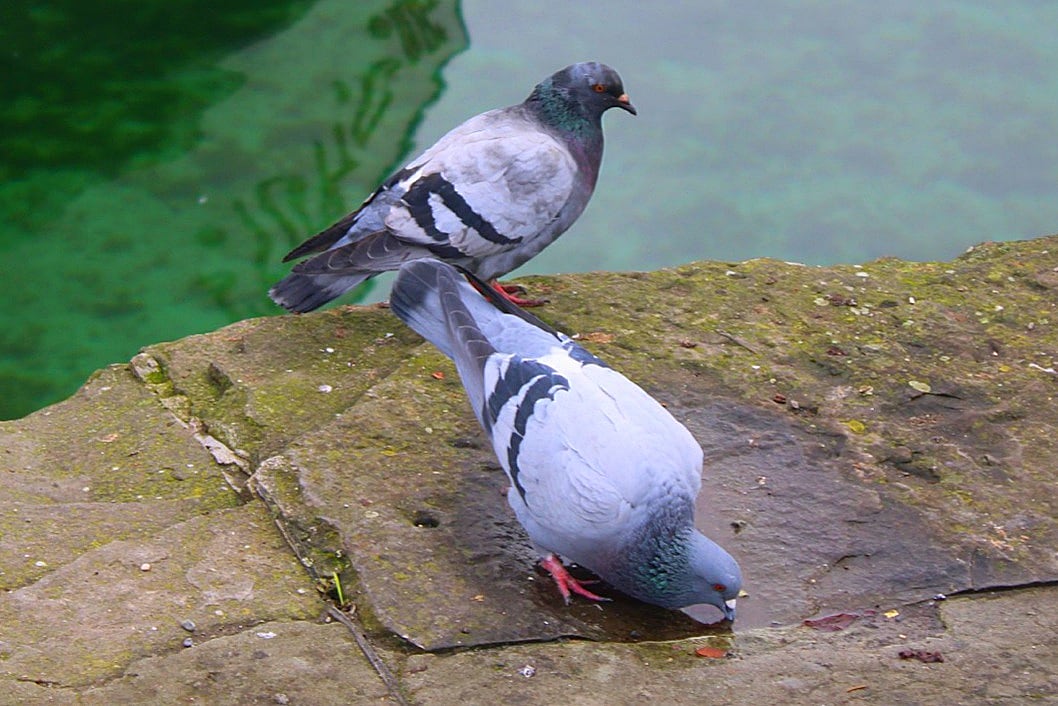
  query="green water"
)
[
  {"x": 158, "y": 162},
  {"x": 157, "y": 159}
]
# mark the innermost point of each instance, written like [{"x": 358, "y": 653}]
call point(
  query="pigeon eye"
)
[
  {"x": 719, "y": 587},
  {"x": 599, "y": 88}
]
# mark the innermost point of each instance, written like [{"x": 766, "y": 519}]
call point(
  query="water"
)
[
  {"x": 155, "y": 173},
  {"x": 157, "y": 164}
]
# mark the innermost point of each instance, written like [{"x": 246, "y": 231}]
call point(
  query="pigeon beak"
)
[
  {"x": 729, "y": 611},
  {"x": 624, "y": 104}
]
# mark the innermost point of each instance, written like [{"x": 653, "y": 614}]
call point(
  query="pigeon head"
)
[
  {"x": 714, "y": 576},
  {"x": 676, "y": 570},
  {"x": 595, "y": 85},
  {"x": 580, "y": 93}
]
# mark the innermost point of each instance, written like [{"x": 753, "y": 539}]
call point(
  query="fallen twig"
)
[
  {"x": 369, "y": 651},
  {"x": 735, "y": 339}
]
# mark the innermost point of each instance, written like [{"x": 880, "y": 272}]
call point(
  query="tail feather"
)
[
  {"x": 301, "y": 293},
  {"x": 415, "y": 299},
  {"x": 432, "y": 299},
  {"x": 314, "y": 282}
]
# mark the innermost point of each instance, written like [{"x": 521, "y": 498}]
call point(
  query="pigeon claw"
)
[
  {"x": 508, "y": 288},
  {"x": 509, "y": 292},
  {"x": 567, "y": 585}
]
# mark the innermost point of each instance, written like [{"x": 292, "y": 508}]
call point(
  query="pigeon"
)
[
  {"x": 600, "y": 473},
  {"x": 488, "y": 196}
]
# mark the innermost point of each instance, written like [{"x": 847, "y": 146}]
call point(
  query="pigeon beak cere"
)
[
  {"x": 729, "y": 613},
  {"x": 625, "y": 104}
]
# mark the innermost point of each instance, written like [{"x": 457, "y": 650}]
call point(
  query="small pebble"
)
[
  {"x": 145, "y": 567},
  {"x": 527, "y": 671},
  {"x": 188, "y": 642},
  {"x": 188, "y": 625},
  {"x": 281, "y": 698}
]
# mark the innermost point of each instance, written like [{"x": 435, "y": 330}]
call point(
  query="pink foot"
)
[
  {"x": 565, "y": 581},
  {"x": 508, "y": 292}
]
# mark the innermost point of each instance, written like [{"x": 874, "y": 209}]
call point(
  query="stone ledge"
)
[{"x": 874, "y": 435}]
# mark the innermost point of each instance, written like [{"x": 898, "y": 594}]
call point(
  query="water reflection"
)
[
  {"x": 296, "y": 205},
  {"x": 176, "y": 187}
]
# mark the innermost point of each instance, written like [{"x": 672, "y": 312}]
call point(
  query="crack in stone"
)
[
  {"x": 47, "y": 683},
  {"x": 152, "y": 374}
]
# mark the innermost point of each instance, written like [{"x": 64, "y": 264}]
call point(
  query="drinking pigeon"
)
[
  {"x": 488, "y": 196},
  {"x": 601, "y": 474}
]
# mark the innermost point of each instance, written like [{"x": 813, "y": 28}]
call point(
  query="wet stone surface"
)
[{"x": 811, "y": 538}]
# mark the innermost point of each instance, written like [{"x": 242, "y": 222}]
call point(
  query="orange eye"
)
[
  {"x": 719, "y": 587},
  {"x": 599, "y": 88}
]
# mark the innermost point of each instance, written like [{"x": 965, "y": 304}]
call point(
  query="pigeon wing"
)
[
  {"x": 488, "y": 186},
  {"x": 588, "y": 451}
]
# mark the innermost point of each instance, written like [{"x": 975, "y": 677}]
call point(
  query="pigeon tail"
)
[
  {"x": 301, "y": 293},
  {"x": 415, "y": 299},
  {"x": 428, "y": 295}
]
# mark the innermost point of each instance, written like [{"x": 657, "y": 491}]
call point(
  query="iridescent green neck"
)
[
  {"x": 664, "y": 563},
  {"x": 555, "y": 108},
  {"x": 655, "y": 561}
]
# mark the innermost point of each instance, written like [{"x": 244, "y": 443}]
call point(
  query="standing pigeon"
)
[
  {"x": 488, "y": 196},
  {"x": 601, "y": 474}
]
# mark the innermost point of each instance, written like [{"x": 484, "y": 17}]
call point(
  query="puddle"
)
[{"x": 809, "y": 536}]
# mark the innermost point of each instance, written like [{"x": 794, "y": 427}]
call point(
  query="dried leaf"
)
[
  {"x": 711, "y": 652},
  {"x": 832, "y": 623},
  {"x": 922, "y": 387},
  {"x": 598, "y": 337}
]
